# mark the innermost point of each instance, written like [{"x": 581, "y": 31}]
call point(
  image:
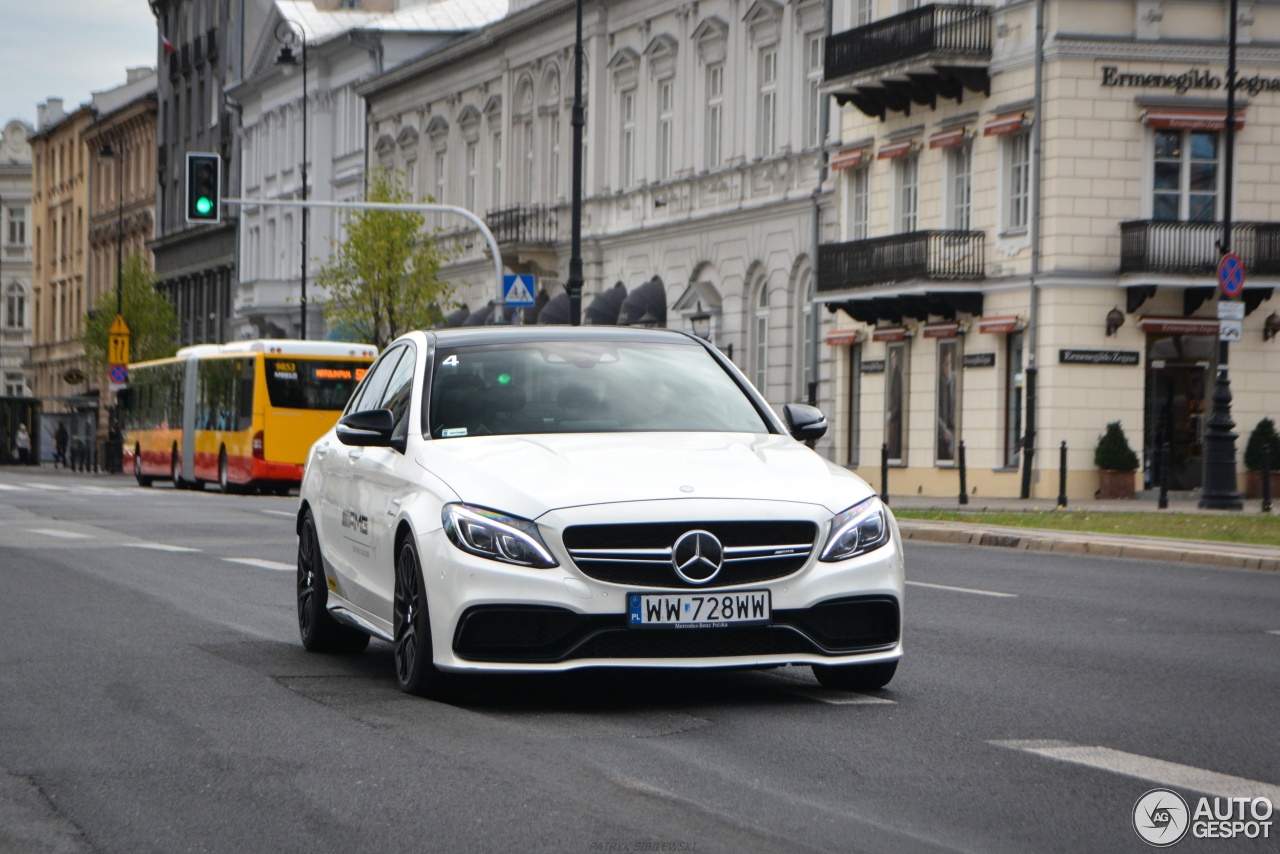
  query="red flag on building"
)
[{"x": 168, "y": 45}]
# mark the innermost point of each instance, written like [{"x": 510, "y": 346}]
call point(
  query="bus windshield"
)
[{"x": 298, "y": 383}]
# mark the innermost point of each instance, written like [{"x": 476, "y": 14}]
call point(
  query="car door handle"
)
[
  {"x": 355, "y": 453},
  {"x": 395, "y": 506},
  {"x": 321, "y": 450}
]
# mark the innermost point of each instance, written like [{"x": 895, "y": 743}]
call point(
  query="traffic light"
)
[{"x": 204, "y": 187}]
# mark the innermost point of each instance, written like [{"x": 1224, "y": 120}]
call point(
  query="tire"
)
[
  {"x": 224, "y": 481},
  {"x": 142, "y": 479},
  {"x": 319, "y": 631},
  {"x": 415, "y": 671},
  {"x": 855, "y": 677}
]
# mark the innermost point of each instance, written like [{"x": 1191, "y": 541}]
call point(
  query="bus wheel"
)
[
  {"x": 224, "y": 480},
  {"x": 175, "y": 470},
  {"x": 137, "y": 468},
  {"x": 320, "y": 632}
]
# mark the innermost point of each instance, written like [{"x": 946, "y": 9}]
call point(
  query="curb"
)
[{"x": 1039, "y": 541}]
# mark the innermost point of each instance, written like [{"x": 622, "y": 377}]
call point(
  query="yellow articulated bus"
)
[{"x": 242, "y": 415}]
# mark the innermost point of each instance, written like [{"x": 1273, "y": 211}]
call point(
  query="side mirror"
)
[
  {"x": 371, "y": 428},
  {"x": 806, "y": 423}
]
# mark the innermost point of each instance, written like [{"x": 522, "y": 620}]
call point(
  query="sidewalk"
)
[{"x": 1232, "y": 555}]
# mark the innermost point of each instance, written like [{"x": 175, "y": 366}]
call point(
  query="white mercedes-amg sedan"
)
[{"x": 508, "y": 499}]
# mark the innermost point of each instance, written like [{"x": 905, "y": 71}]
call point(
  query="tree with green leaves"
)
[
  {"x": 384, "y": 279},
  {"x": 152, "y": 321}
]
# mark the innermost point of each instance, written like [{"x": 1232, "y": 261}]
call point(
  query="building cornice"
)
[{"x": 1179, "y": 51}]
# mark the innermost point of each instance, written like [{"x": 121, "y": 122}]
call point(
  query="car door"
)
[
  {"x": 374, "y": 487},
  {"x": 343, "y": 527}
]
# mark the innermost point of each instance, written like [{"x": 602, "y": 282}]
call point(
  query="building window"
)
[
  {"x": 865, "y": 12},
  {"x": 1013, "y": 378},
  {"x": 442, "y": 183},
  {"x": 1185, "y": 185},
  {"x": 762, "y": 338},
  {"x": 553, "y": 166},
  {"x": 859, "y": 198},
  {"x": 768, "y": 102},
  {"x": 960, "y": 164},
  {"x": 666, "y": 116},
  {"x": 814, "y": 132},
  {"x": 17, "y": 226},
  {"x": 853, "y": 430},
  {"x": 470, "y": 154},
  {"x": 411, "y": 179},
  {"x": 908, "y": 193},
  {"x": 15, "y": 307},
  {"x": 715, "y": 113},
  {"x": 627, "y": 156},
  {"x": 948, "y": 420},
  {"x": 1018, "y": 195},
  {"x": 807, "y": 331},
  {"x": 495, "y": 178},
  {"x": 895, "y": 400}
]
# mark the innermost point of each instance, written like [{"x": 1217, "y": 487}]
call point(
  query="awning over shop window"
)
[
  {"x": 842, "y": 338},
  {"x": 941, "y": 330},
  {"x": 1188, "y": 119},
  {"x": 1010, "y": 123},
  {"x": 896, "y": 150},
  {"x": 889, "y": 333},
  {"x": 949, "y": 138},
  {"x": 849, "y": 159},
  {"x": 1178, "y": 325},
  {"x": 1000, "y": 324}
]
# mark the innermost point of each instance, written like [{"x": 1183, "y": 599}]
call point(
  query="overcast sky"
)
[{"x": 68, "y": 49}]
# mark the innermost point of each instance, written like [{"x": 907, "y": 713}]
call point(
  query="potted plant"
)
[
  {"x": 1116, "y": 462},
  {"x": 1263, "y": 436}
]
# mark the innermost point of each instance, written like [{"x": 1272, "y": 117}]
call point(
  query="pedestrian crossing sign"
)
[{"x": 517, "y": 291}]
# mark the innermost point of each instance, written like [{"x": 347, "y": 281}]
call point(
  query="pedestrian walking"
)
[
  {"x": 60, "y": 439},
  {"x": 22, "y": 441}
]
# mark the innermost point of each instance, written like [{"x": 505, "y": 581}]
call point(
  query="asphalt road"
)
[{"x": 154, "y": 697}]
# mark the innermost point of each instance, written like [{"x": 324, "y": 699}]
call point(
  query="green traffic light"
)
[{"x": 204, "y": 205}]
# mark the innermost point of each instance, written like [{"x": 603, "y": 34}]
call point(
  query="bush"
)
[
  {"x": 1113, "y": 450},
  {"x": 1263, "y": 436}
]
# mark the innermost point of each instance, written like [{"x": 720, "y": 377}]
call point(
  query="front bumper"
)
[{"x": 490, "y": 616}]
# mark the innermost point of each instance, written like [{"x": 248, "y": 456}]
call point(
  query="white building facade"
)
[
  {"x": 703, "y": 154},
  {"x": 15, "y": 259},
  {"x": 344, "y": 49},
  {"x": 940, "y": 244}
]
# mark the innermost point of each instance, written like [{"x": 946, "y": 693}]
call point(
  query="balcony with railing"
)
[
  {"x": 937, "y": 51},
  {"x": 1191, "y": 248},
  {"x": 941, "y": 255},
  {"x": 525, "y": 234}
]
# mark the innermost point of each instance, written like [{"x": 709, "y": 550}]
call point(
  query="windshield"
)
[
  {"x": 294, "y": 383},
  {"x": 585, "y": 387}
]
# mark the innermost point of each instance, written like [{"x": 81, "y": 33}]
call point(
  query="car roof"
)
[{"x": 514, "y": 334}]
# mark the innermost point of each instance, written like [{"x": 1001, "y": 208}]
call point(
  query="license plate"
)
[{"x": 698, "y": 610}]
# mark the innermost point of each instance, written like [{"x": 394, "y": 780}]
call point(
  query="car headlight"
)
[
  {"x": 858, "y": 530},
  {"x": 494, "y": 535}
]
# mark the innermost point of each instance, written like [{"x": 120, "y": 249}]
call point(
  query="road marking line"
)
[
  {"x": 261, "y": 564},
  {"x": 62, "y": 535},
  {"x": 4, "y": 487},
  {"x": 45, "y": 486},
  {"x": 283, "y": 513},
  {"x": 964, "y": 590},
  {"x": 1147, "y": 768},
  {"x": 1276, "y": 632},
  {"x": 837, "y": 698},
  {"x": 158, "y": 547}
]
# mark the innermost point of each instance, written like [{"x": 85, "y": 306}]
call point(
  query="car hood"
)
[{"x": 530, "y": 475}]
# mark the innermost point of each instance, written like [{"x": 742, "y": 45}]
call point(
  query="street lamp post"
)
[
  {"x": 287, "y": 33},
  {"x": 118, "y": 156},
  {"x": 574, "y": 285}
]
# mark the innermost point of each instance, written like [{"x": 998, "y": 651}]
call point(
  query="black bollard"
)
[
  {"x": 884, "y": 473},
  {"x": 1164, "y": 477},
  {"x": 964, "y": 487},
  {"x": 1062, "y": 475},
  {"x": 1266, "y": 479}
]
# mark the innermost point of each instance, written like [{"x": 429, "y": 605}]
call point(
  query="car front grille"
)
[
  {"x": 539, "y": 634},
  {"x": 641, "y": 554}
]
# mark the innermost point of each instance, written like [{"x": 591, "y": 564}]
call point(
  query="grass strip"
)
[{"x": 1261, "y": 530}]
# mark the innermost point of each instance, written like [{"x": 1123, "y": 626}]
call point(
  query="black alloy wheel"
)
[
  {"x": 415, "y": 671},
  {"x": 142, "y": 479},
  {"x": 855, "y": 677},
  {"x": 319, "y": 631}
]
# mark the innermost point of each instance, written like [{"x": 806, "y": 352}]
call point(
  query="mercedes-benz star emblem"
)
[{"x": 697, "y": 556}]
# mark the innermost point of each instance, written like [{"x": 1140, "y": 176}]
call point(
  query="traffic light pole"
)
[{"x": 389, "y": 206}]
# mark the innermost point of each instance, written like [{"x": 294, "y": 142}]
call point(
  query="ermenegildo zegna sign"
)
[
  {"x": 1195, "y": 78},
  {"x": 1097, "y": 357}
]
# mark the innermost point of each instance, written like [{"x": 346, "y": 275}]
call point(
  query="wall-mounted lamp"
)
[
  {"x": 701, "y": 323},
  {"x": 1270, "y": 326},
  {"x": 1115, "y": 319}
]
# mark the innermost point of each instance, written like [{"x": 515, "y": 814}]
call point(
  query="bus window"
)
[{"x": 296, "y": 383}]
